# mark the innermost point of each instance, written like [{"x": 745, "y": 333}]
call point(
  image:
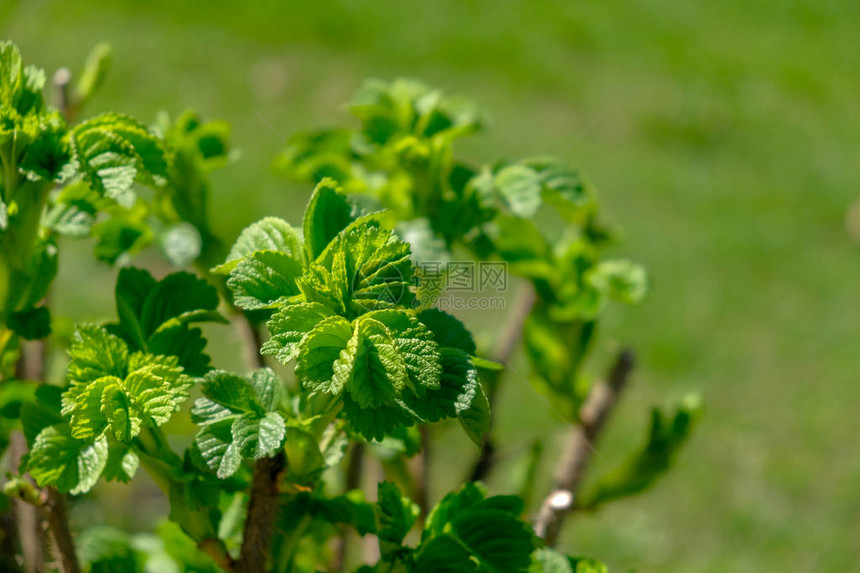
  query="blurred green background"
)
[{"x": 723, "y": 138}]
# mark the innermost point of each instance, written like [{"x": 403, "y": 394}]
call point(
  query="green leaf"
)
[
  {"x": 258, "y": 436},
  {"x": 377, "y": 265},
  {"x": 476, "y": 418},
  {"x": 327, "y": 214},
  {"x": 469, "y": 495},
  {"x": 178, "y": 297},
  {"x": 72, "y": 466},
  {"x": 371, "y": 367},
  {"x": 547, "y": 560},
  {"x": 269, "y": 389},
  {"x": 454, "y": 394},
  {"x": 122, "y": 235},
  {"x": 621, "y": 280},
  {"x": 119, "y": 414},
  {"x": 231, "y": 391},
  {"x": 426, "y": 246},
  {"x": 318, "y": 351},
  {"x": 105, "y": 549},
  {"x": 113, "y": 151},
  {"x": 215, "y": 443},
  {"x": 122, "y": 390},
  {"x": 397, "y": 514},
  {"x": 305, "y": 462},
  {"x": 31, "y": 324},
  {"x": 186, "y": 344},
  {"x": 15, "y": 394},
  {"x": 416, "y": 345},
  {"x": 263, "y": 279},
  {"x": 93, "y": 74},
  {"x": 133, "y": 286},
  {"x": 375, "y": 423},
  {"x": 156, "y": 385},
  {"x": 94, "y": 354},
  {"x": 486, "y": 532},
  {"x": 562, "y": 185},
  {"x": 122, "y": 464},
  {"x": 154, "y": 315},
  {"x": 11, "y": 67},
  {"x": 289, "y": 325},
  {"x": 237, "y": 419},
  {"x": 44, "y": 411},
  {"x": 445, "y": 555},
  {"x": 447, "y": 330},
  {"x": 667, "y": 434},
  {"x": 519, "y": 187},
  {"x": 267, "y": 234},
  {"x": 47, "y": 157}
]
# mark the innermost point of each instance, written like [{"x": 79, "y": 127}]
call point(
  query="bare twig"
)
[
  {"x": 28, "y": 526},
  {"x": 30, "y": 366},
  {"x": 62, "y": 81},
  {"x": 572, "y": 465},
  {"x": 262, "y": 512},
  {"x": 505, "y": 347},
  {"x": 54, "y": 510},
  {"x": 263, "y": 497}
]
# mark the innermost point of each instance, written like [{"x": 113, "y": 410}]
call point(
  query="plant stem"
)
[
  {"x": 263, "y": 497},
  {"x": 54, "y": 510},
  {"x": 27, "y": 525},
  {"x": 507, "y": 343},
  {"x": 262, "y": 511},
  {"x": 30, "y": 366},
  {"x": 573, "y": 464}
]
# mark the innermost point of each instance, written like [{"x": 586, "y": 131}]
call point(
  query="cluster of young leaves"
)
[
  {"x": 156, "y": 316},
  {"x": 467, "y": 531},
  {"x": 120, "y": 153},
  {"x": 667, "y": 433},
  {"x": 402, "y": 157},
  {"x": 340, "y": 305},
  {"x": 239, "y": 418},
  {"x": 34, "y": 156},
  {"x": 123, "y": 379},
  {"x": 182, "y": 205},
  {"x": 338, "y": 299},
  {"x": 113, "y": 395},
  {"x": 94, "y": 167},
  {"x": 573, "y": 286}
]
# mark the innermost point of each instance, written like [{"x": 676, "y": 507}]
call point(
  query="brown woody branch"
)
[
  {"x": 264, "y": 495},
  {"x": 262, "y": 511},
  {"x": 572, "y": 466},
  {"x": 54, "y": 511}
]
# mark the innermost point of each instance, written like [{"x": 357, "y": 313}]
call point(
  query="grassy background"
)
[{"x": 723, "y": 137}]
